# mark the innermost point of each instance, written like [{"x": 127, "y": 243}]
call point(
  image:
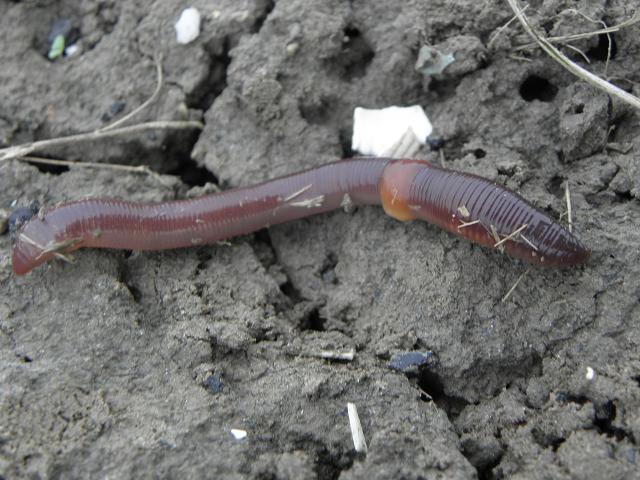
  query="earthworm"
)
[{"x": 466, "y": 205}]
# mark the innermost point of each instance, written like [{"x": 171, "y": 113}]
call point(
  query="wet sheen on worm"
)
[{"x": 466, "y": 205}]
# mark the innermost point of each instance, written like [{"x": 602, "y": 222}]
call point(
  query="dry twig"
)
[
  {"x": 109, "y": 131},
  {"x": 579, "y": 36},
  {"x": 508, "y": 294},
  {"x": 359, "y": 442},
  {"x": 17, "y": 151},
  {"x": 567, "y": 196},
  {"x": 107, "y": 166}
]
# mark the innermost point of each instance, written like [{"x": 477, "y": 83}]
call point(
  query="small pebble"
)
[
  {"x": 72, "y": 50},
  {"x": 213, "y": 383},
  {"x": 590, "y": 375},
  {"x": 405, "y": 361},
  {"x": 57, "y": 48},
  {"x": 562, "y": 397},
  {"x": 292, "y": 48},
  {"x": 188, "y": 26},
  {"x": 435, "y": 144},
  {"x": 114, "y": 109},
  {"x": 117, "y": 107}
]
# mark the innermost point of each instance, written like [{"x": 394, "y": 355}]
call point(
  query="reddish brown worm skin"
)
[{"x": 466, "y": 205}]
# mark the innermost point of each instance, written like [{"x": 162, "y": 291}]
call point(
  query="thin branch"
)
[
  {"x": 579, "y": 36},
  {"x": 578, "y": 12},
  {"x": 17, "y": 151},
  {"x": 346, "y": 356},
  {"x": 579, "y": 52},
  {"x": 359, "y": 442},
  {"x": 580, "y": 72},
  {"x": 529, "y": 242},
  {"x": 106, "y": 166},
  {"x": 508, "y": 294},
  {"x": 567, "y": 196},
  {"x": 510, "y": 236},
  {"x": 499, "y": 31},
  {"x": 468, "y": 224}
]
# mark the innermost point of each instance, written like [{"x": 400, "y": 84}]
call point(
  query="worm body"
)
[{"x": 466, "y": 205}]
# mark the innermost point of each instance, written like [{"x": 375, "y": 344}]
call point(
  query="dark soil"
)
[{"x": 138, "y": 365}]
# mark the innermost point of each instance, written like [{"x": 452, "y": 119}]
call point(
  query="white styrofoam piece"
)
[{"x": 376, "y": 132}]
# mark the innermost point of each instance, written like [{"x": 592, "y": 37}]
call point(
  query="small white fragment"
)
[
  {"x": 292, "y": 48},
  {"x": 238, "y": 434},
  {"x": 359, "y": 442},
  {"x": 347, "y": 203},
  {"x": 188, "y": 26},
  {"x": 348, "y": 356},
  {"x": 591, "y": 374},
  {"x": 309, "y": 202},
  {"x": 71, "y": 50},
  {"x": 376, "y": 132}
]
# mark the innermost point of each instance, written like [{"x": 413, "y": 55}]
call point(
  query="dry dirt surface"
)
[{"x": 138, "y": 365}]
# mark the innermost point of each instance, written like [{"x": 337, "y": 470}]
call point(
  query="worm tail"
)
[{"x": 35, "y": 245}]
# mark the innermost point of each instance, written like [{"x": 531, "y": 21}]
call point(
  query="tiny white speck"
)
[
  {"x": 590, "y": 375},
  {"x": 71, "y": 50},
  {"x": 238, "y": 434},
  {"x": 346, "y": 203},
  {"x": 464, "y": 211}
]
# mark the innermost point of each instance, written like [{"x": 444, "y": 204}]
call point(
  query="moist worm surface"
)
[{"x": 466, "y": 205}]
